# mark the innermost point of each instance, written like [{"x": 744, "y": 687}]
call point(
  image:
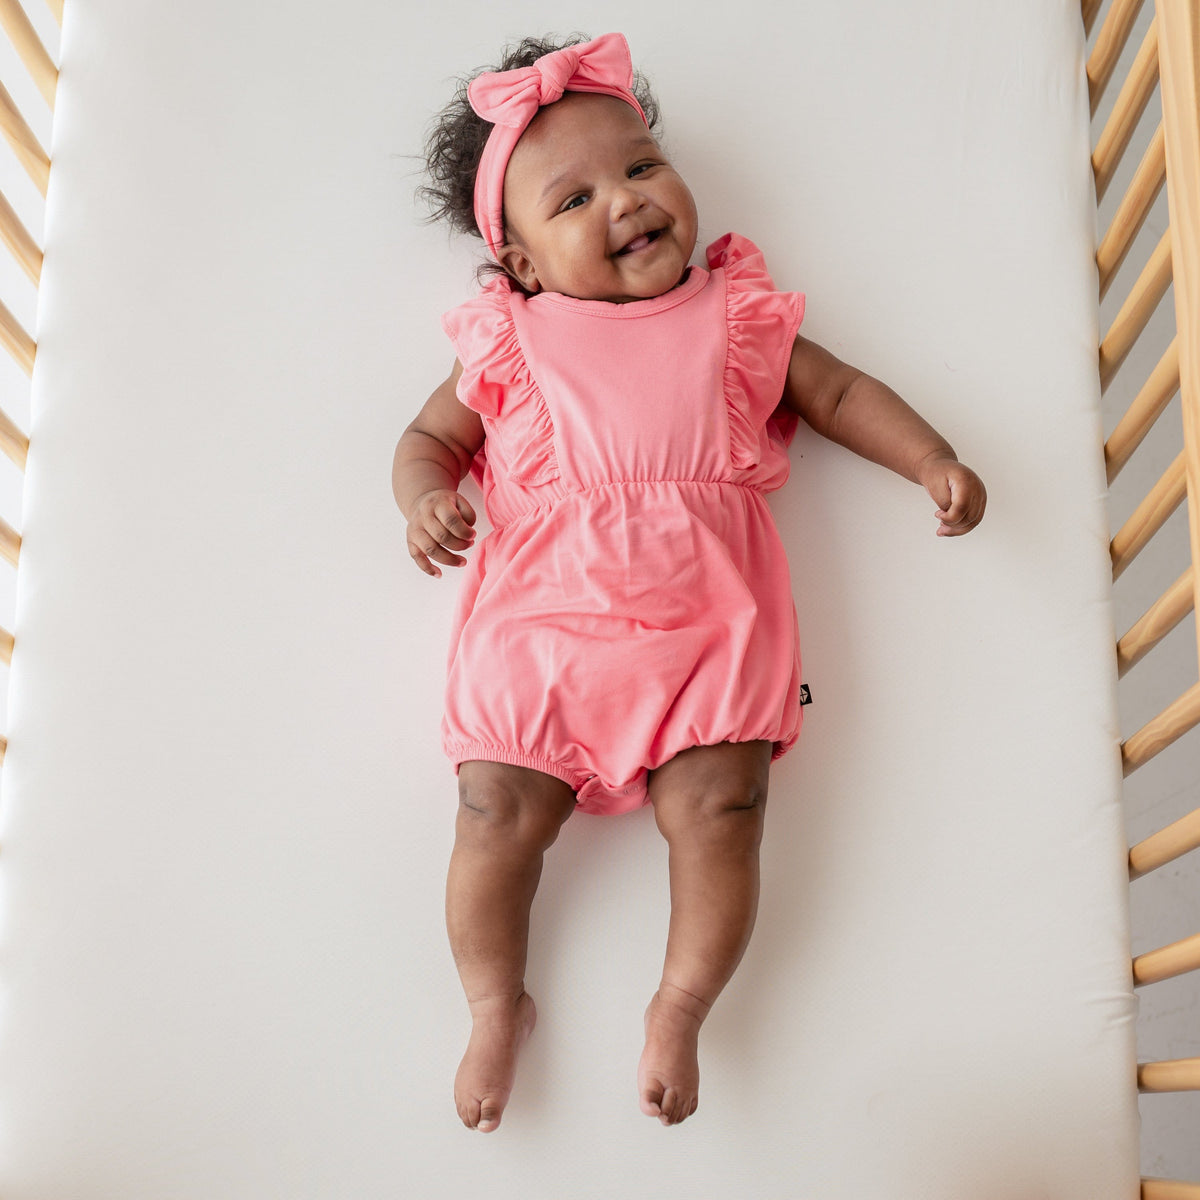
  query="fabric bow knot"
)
[{"x": 511, "y": 99}]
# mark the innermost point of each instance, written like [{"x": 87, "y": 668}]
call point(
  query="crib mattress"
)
[{"x": 225, "y": 815}]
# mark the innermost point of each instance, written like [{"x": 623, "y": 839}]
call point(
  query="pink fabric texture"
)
[{"x": 633, "y": 597}]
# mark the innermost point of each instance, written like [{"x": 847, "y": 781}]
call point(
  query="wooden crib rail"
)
[
  {"x": 20, "y": 242},
  {"x": 1168, "y": 58},
  {"x": 1173, "y": 157}
]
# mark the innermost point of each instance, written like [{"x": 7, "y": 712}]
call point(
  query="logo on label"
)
[{"x": 805, "y": 695}]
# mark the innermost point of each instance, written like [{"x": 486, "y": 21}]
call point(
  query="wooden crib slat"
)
[
  {"x": 1179, "y": 57},
  {"x": 6, "y": 645},
  {"x": 20, "y": 241},
  {"x": 1135, "y": 94},
  {"x": 1156, "y": 622},
  {"x": 1165, "y": 846},
  {"x": 1149, "y": 516},
  {"x": 1167, "y": 961},
  {"x": 29, "y": 46},
  {"x": 1169, "y": 1189},
  {"x": 1171, "y": 1075},
  {"x": 1137, "y": 310},
  {"x": 1089, "y": 10},
  {"x": 1110, "y": 41},
  {"x": 1149, "y": 404},
  {"x": 28, "y": 149},
  {"x": 16, "y": 341},
  {"x": 1131, "y": 213},
  {"x": 12, "y": 441},
  {"x": 56, "y": 7},
  {"x": 1156, "y": 735},
  {"x": 10, "y": 542}
]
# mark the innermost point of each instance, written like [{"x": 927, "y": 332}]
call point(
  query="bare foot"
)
[
  {"x": 485, "y": 1076},
  {"x": 669, "y": 1071}
]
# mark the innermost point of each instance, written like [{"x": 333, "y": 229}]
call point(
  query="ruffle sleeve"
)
[
  {"x": 497, "y": 384},
  {"x": 762, "y": 327}
]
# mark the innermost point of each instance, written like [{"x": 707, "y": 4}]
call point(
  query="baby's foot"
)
[
  {"x": 499, "y": 1028},
  {"x": 669, "y": 1071}
]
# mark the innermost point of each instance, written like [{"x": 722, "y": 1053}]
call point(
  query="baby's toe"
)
[
  {"x": 651, "y": 1099},
  {"x": 489, "y": 1115}
]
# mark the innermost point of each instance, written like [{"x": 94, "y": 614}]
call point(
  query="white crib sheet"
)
[{"x": 226, "y": 818}]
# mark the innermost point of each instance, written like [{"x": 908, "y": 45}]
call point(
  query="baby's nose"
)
[{"x": 625, "y": 200}]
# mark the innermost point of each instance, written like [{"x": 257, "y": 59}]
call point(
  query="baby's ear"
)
[{"x": 517, "y": 263}]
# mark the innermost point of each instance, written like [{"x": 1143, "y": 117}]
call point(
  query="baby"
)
[{"x": 625, "y": 634}]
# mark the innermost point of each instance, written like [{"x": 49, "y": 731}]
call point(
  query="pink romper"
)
[{"x": 633, "y": 597}]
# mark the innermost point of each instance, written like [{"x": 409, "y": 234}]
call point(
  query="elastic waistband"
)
[{"x": 590, "y": 489}]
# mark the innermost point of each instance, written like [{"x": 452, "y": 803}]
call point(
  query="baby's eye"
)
[
  {"x": 640, "y": 168},
  {"x": 574, "y": 202}
]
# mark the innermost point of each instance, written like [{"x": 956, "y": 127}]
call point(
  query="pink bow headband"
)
[{"x": 511, "y": 99}]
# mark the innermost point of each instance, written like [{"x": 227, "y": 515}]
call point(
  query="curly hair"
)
[{"x": 457, "y": 137}]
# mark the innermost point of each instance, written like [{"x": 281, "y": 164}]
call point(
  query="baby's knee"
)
[
  {"x": 724, "y": 807},
  {"x": 517, "y": 804}
]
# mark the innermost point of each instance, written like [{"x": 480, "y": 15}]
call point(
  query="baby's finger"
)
[
  {"x": 465, "y": 508},
  {"x": 442, "y": 555},
  {"x": 423, "y": 562},
  {"x": 965, "y": 524},
  {"x": 443, "y": 535},
  {"x": 451, "y": 520},
  {"x": 423, "y": 548},
  {"x": 960, "y": 497}
]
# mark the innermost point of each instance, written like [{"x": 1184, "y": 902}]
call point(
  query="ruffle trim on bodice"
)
[
  {"x": 762, "y": 328},
  {"x": 496, "y": 383}
]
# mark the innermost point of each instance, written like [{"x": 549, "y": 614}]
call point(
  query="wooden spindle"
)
[
  {"x": 10, "y": 542},
  {"x": 1090, "y": 8},
  {"x": 1157, "y": 621},
  {"x": 1165, "y": 846},
  {"x": 1156, "y": 735},
  {"x": 1110, "y": 41},
  {"x": 29, "y": 46},
  {"x": 1137, "y": 310},
  {"x": 12, "y": 441},
  {"x": 1173, "y": 1075},
  {"x": 24, "y": 142},
  {"x": 1149, "y": 404},
  {"x": 1131, "y": 213},
  {"x": 16, "y": 341},
  {"x": 1167, "y": 961},
  {"x": 1135, "y": 94},
  {"x": 20, "y": 241},
  {"x": 1149, "y": 516},
  {"x": 6, "y": 645},
  {"x": 1168, "y": 1189}
]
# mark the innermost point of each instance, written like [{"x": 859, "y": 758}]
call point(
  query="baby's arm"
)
[
  {"x": 866, "y": 416},
  {"x": 432, "y": 456}
]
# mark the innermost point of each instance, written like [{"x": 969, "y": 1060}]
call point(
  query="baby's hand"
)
[
  {"x": 440, "y": 523},
  {"x": 958, "y": 491}
]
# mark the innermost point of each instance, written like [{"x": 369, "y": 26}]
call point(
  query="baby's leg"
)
[
  {"x": 507, "y": 817},
  {"x": 709, "y": 803}
]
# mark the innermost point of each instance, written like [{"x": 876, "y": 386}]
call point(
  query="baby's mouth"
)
[{"x": 641, "y": 242}]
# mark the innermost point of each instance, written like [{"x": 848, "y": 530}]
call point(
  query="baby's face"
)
[{"x": 592, "y": 208}]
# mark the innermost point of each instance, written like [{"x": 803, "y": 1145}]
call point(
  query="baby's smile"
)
[{"x": 641, "y": 242}]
